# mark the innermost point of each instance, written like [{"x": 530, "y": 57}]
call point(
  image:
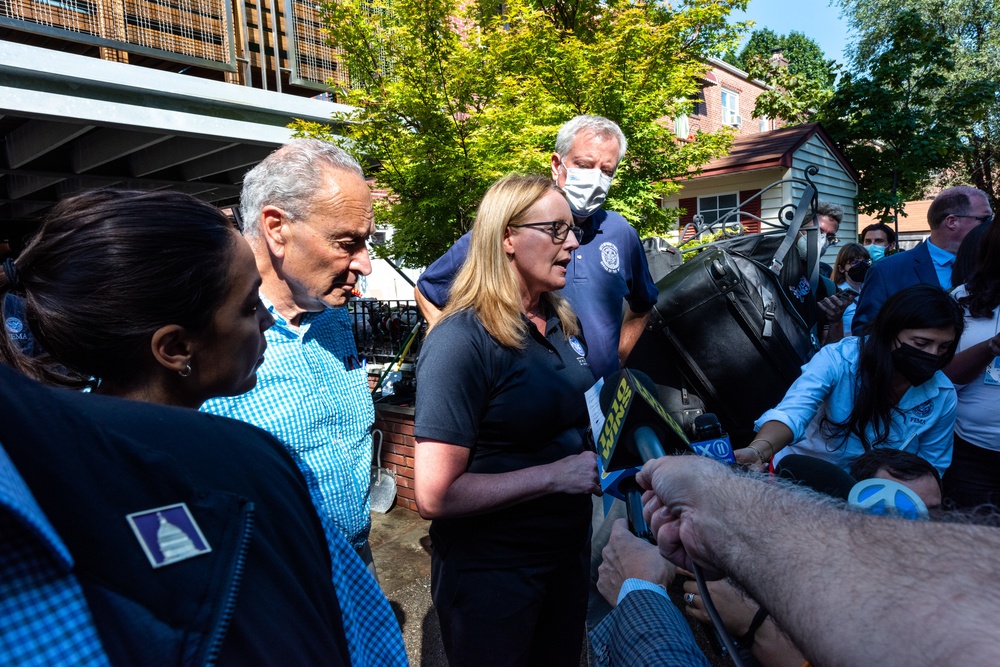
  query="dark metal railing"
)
[{"x": 382, "y": 329}]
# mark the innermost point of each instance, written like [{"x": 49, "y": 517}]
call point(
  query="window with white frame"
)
[
  {"x": 731, "y": 108},
  {"x": 716, "y": 206}
]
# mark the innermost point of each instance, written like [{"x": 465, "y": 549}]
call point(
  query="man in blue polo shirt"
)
[
  {"x": 953, "y": 214},
  {"x": 609, "y": 265}
]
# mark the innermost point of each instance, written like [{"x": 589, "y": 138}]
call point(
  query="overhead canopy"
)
[{"x": 71, "y": 123}]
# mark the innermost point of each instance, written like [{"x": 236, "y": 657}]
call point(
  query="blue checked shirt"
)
[
  {"x": 312, "y": 394},
  {"x": 373, "y": 635},
  {"x": 45, "y": 618}
]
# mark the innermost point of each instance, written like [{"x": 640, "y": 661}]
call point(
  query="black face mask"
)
[
  {"x": 858, "y": 273},
  {"x": 916, "y": 365}
]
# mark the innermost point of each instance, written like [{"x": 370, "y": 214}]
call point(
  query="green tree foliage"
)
[
  {"x": 805, "y": 57},
  {"x": 972, "y": 31},
  {"x": 451, "y": 95},
  {"x": 898, "y": 118},
  {"x": 796, "y": 90}
]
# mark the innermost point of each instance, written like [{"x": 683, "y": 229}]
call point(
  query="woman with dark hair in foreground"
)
[
  {"x": 884, "y": 389},
  {"x": 194, "y": 537}
]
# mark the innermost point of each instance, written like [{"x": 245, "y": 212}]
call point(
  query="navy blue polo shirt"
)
[
  {"x": 610, "y": 265},
  {"x": 514, "y": 409}
]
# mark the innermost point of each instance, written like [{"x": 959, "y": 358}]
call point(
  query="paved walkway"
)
[{"x": 401, "y": 548}]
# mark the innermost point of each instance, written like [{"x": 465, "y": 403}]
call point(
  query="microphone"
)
[
  {"x": 711, "y": 440},
  {"x": 635, "y": 429}
]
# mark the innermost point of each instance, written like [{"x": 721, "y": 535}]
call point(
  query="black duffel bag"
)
[{"x": 729, "y": 330}]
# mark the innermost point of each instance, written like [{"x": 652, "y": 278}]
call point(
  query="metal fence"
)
[{"x": 382, "y": 329}]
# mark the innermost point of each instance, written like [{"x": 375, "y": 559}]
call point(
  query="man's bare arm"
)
[
  {"x": 848, "y": 588},
  {"x": 430, "y": 312},
  {"x": 632, "y": 326}
]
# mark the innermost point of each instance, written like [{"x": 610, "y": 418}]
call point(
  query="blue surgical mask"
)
[{"x": 876, "y": 252}]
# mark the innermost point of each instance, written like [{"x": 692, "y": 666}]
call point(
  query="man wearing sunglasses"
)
[
  {"x": 954, "y": 213},
  {"x": 608, "y": 267}
]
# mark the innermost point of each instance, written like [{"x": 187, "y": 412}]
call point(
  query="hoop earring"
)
[{"x": 187, "y": 370}]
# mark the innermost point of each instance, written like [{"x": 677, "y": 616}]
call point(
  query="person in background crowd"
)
[
  {"x": 952, "y": 215},
  {"x": 848, "y": 274},
  {"x": 307, "y": 215},
  {"x": 974, "y": 477},
  {"x": 502, "y": 465},
  {"x": 968, "y": 256},
  {"x": 882, "y": 390},
  {"x": 879, "y": 240},
  {"x": 189, "y": 534}
]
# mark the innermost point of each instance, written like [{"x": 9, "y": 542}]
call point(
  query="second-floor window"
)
[{"x": 731, "y": 108}]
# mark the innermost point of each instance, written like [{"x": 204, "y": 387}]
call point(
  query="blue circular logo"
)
[
  {"x": 577, "y": 346},
  {"x": 923, "y": 410},
  {"x": 14, "y": 325}
]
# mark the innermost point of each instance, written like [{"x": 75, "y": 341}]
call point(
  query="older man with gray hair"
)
[{"x": 307, "y": 215}]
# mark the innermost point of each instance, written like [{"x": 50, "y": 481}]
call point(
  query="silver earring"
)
[{"x": 187, "y": 370}]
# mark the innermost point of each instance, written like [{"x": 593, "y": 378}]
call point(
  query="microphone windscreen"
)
[
  {"x": 609, "y": 390},
  {"x": 817, "y": 474}
]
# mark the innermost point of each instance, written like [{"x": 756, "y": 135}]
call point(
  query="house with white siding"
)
[{"x": 758, "y": 160}]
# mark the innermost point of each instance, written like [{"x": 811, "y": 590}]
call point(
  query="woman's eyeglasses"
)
[{"x": 557, "y": 229}]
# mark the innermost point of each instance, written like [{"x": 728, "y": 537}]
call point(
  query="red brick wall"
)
[
  {"x": 396, "y": 425},
  {"x": 707, "y": 115}
]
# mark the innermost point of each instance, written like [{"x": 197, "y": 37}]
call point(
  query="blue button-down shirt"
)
[
  {"x": 943, "y": 261},
  {"x": 46, "y": 620},
  {"x": 312, "y": 394}
]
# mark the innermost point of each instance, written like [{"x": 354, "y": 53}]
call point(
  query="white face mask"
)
[
  {"x": 803, "y": 245},
  {"x": 586, "y": 190}
]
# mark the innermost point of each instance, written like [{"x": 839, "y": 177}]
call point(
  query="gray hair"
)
[
  {"x": 831, "y": 210},
  {"x": 289, "y": 178},
  {"x": 599, "y": 125}
]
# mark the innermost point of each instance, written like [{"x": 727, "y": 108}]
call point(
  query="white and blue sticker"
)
[
  {"x": 14, "y": 325},
  {"x": 168, "y": 534}
]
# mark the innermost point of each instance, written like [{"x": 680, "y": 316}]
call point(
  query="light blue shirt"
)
[
  {"x": 849, "y": 311},
  {"x": 922, "y": 424},
  {"x": 943, "y": 261},
  {"x": 312, "y": 394}
]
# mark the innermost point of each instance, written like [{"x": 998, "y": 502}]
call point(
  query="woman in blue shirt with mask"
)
[{"x": 881, "y": 390}]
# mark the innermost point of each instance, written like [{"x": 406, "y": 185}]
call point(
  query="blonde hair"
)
[{"x": 487, "y": 283}]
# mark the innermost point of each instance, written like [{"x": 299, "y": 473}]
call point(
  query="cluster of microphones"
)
[{"x": 636, "y": 429}]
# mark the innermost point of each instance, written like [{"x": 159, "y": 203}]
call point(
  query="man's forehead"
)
[
  {"x": 828, "y": 224},
  {"x": 588, "y": 142},
  {"x": 345, "y": 197}
]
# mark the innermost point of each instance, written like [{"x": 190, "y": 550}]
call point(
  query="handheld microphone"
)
[
  {"x": 635, "y": 430},
  {"x": 710, "y": 440}
]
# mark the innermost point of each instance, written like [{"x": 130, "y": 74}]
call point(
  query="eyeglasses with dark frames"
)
[
  {"x": 558, "y": 229},
  {"x": 983, "y": 219}
]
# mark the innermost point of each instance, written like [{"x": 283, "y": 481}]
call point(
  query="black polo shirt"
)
[{"x": 515, "y": 409}]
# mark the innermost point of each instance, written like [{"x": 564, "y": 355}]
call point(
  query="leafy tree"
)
[
  {"x": 796, "y": 89},
  {"x": 805, "y": 57},
  {"x": 972, "y": 31},
  {"x": 899, "y": 117},
  {"x": 451, "y": 95}
]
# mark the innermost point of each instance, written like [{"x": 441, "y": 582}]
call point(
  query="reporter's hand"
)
[
  {"x": 685, "y": 486},
  {"x": 576, "y": 474},
  {"x": 628, "y": 557},
  {"x": 735, "y": 609},
  {"x": 834, "y": 305},
  {"x": 746, "y": 456}
]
